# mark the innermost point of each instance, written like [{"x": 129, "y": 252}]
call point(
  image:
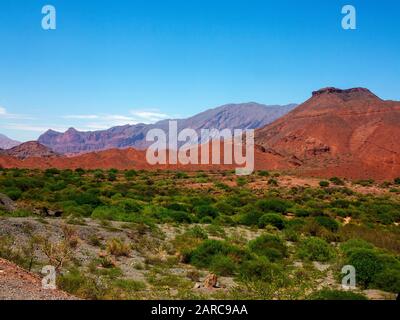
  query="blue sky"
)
[{"x": 112, "y": 62}]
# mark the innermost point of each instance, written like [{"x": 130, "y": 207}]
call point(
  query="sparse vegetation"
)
[{"x": 153, "y": 235}]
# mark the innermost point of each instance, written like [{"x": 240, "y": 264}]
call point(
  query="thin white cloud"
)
[
  {"x": 81, "y": 122},
  {"x": 32, "y": 128},
  {"x": 149, "y": 116},
  {"x": 4, "y": 114},
  {"x": 106, "y": 121}
]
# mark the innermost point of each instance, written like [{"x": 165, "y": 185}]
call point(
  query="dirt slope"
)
[{"x": 18, "y": 284}]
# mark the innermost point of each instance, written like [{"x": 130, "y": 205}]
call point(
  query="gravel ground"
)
[{"x": 18, "y": 284}]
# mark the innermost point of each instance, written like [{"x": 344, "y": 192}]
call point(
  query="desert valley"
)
[{"x": 325, "y": 193}]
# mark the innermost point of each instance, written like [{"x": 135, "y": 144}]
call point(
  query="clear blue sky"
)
[{"x": 112, "y": 61}]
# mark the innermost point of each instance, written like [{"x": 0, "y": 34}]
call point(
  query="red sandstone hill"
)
[
  {"x": 350, "y": 133},
  {"x": 28, "y": 150},
  {"x": 130, "y": 158}
]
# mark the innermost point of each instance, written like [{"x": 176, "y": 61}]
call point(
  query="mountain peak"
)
[
  {"x": 7, "y": 143},
  {"x": 345, "y": 93}
]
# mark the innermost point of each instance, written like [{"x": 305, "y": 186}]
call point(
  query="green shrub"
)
[
  {"x": 241, "y": 181},
  {"x": 273, "y": 182},
  {"x": 178, "y": 206},
  {"x": 80, "y": 171},
  {"x": 269, "y": 246},
  {"x": 225, "y": 208},
  {"x": 14, "y": 194},
  {"x": 340, "y": 203},
  {"x": 130, "y": 205},
  {"x": 365, "y": 183},
  {"x": 223, "y": 265},
  {"x": 111, "y": 176},
  {"x": 328, "y": 223},
  {"x": 397, "y": 181},
  {"x": 273, "y": 205},
  {"x": 272, "y": 219},
  {"x": 324, "y": 184},
  {"x": 197, "y": 232},
  {"x": 302, "y": 212},
  {"x": 206, "y": 211},
  {"x": 88, "y": 197},
  {"x": 259, "y": 269},
  {"x": 337, "y": 181},
  {"x": 387, "y": 280},
  {"x": 315, "y": 249},
  {"x": 216, "y": 230},
  {"x": 107, "y": 213},
  {"x": 291, "y": 235},
  {"x": 354, "y": 244},
  {"x": 327, "y": 294},
  {"x": 129, "y": 174},
  {"x": 78, "y": 284},
  {"x": 367, "y": 265},
  {"x": 180, "y": 216},
  {"x": 129, "y": 285},
  {"x": 251, "y": 217},
  {"x": 181, "y": 175},
  {"x": 204, "y": 254},
  {"x": 206, "y": 220},
  {"x": 263, "y": 173}
]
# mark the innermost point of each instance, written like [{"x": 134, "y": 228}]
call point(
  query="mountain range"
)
[
  {"x": 232, "y": 116},
  {"x": 347, "y": 133}
]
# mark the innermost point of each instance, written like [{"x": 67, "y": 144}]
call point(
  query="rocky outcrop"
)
[{"x": 30, "y": 150}]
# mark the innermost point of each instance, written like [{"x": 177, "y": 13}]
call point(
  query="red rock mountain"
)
[
  {"x": 350, "y": 133},
  {"x": 131, "y": 159},
  {"x": 29, "y": 150}
]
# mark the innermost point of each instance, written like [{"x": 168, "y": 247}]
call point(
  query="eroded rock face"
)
[
  {"x": 351, "y": 133},
  {"x": 7, "y": 204}
]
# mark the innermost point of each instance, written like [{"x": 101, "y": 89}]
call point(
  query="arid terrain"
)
[
  {"x": 325, "y": 194},
  {"x": 205, "y": 235}
]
